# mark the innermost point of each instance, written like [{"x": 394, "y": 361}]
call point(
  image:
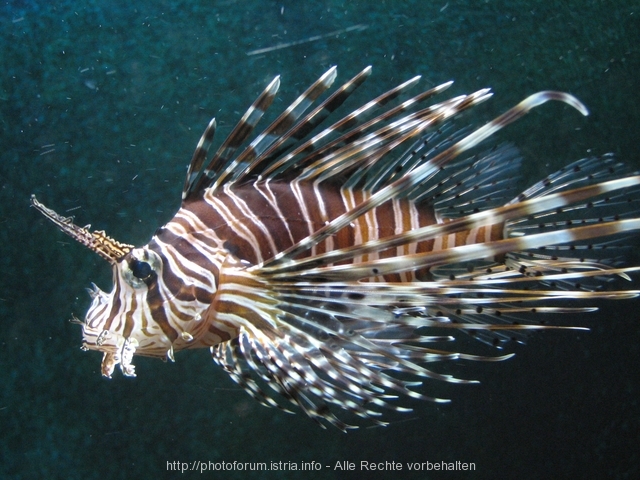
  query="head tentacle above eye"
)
[{"x": 97, "y": 241}]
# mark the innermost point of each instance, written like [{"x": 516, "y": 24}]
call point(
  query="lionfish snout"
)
[{"x": 102, "y": 330}]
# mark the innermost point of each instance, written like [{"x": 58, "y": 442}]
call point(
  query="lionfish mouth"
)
[{"x": 322, "y": 265}]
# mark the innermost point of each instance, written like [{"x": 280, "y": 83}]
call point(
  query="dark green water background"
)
[{"x": 101, "y": 105}]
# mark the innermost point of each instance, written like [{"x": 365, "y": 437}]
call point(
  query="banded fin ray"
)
[
  {"x": 322, "y": 344},
  {"x": 278, "y": 128},
  {"x": 304, "y": 126},
  {"x": 316, "y": 351},
  {"x": 531, "y": 207},
  {"x": 367, "y": 150},
  {"x": 318, "y": 146},
  {"x": 198, "y": 179},
  {"x": 426, "y": 170},
  {"x": 287, "y": 130}
]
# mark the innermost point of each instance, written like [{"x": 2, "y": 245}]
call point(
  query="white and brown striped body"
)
[
  {"x": 308, "y": 264},
  {"x": 252, "y": 223}
]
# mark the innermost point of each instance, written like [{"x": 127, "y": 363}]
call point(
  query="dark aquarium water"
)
[{"x": 101, "y": 106}]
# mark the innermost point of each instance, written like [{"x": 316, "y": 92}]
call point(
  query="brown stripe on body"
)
[
  {"x": 425, "y": 217},
  {"x": 255, "y": 222},
  {"x": 236, "y": 218},
  {"x": 277, "y": 215},
  {"x": 346, "y": 236},
  {"x": 156, "y": 307},
  {"x": 171, "y": 280},
  {"x": 385, "y": 217},
  {"x": 482, "y": 234},
  {"x": 287, "y": 219},
  {"x": 485, "y": 233},
  {"x": 272, "y": 225}
]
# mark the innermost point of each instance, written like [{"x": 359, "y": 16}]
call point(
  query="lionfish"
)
[{"x": 328, "y": 267}]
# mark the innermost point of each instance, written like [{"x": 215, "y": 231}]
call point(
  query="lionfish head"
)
[{"x": 115, "y": 322}]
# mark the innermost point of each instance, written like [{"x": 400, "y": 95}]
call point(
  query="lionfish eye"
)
[{"x": 140, "y": 269}]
